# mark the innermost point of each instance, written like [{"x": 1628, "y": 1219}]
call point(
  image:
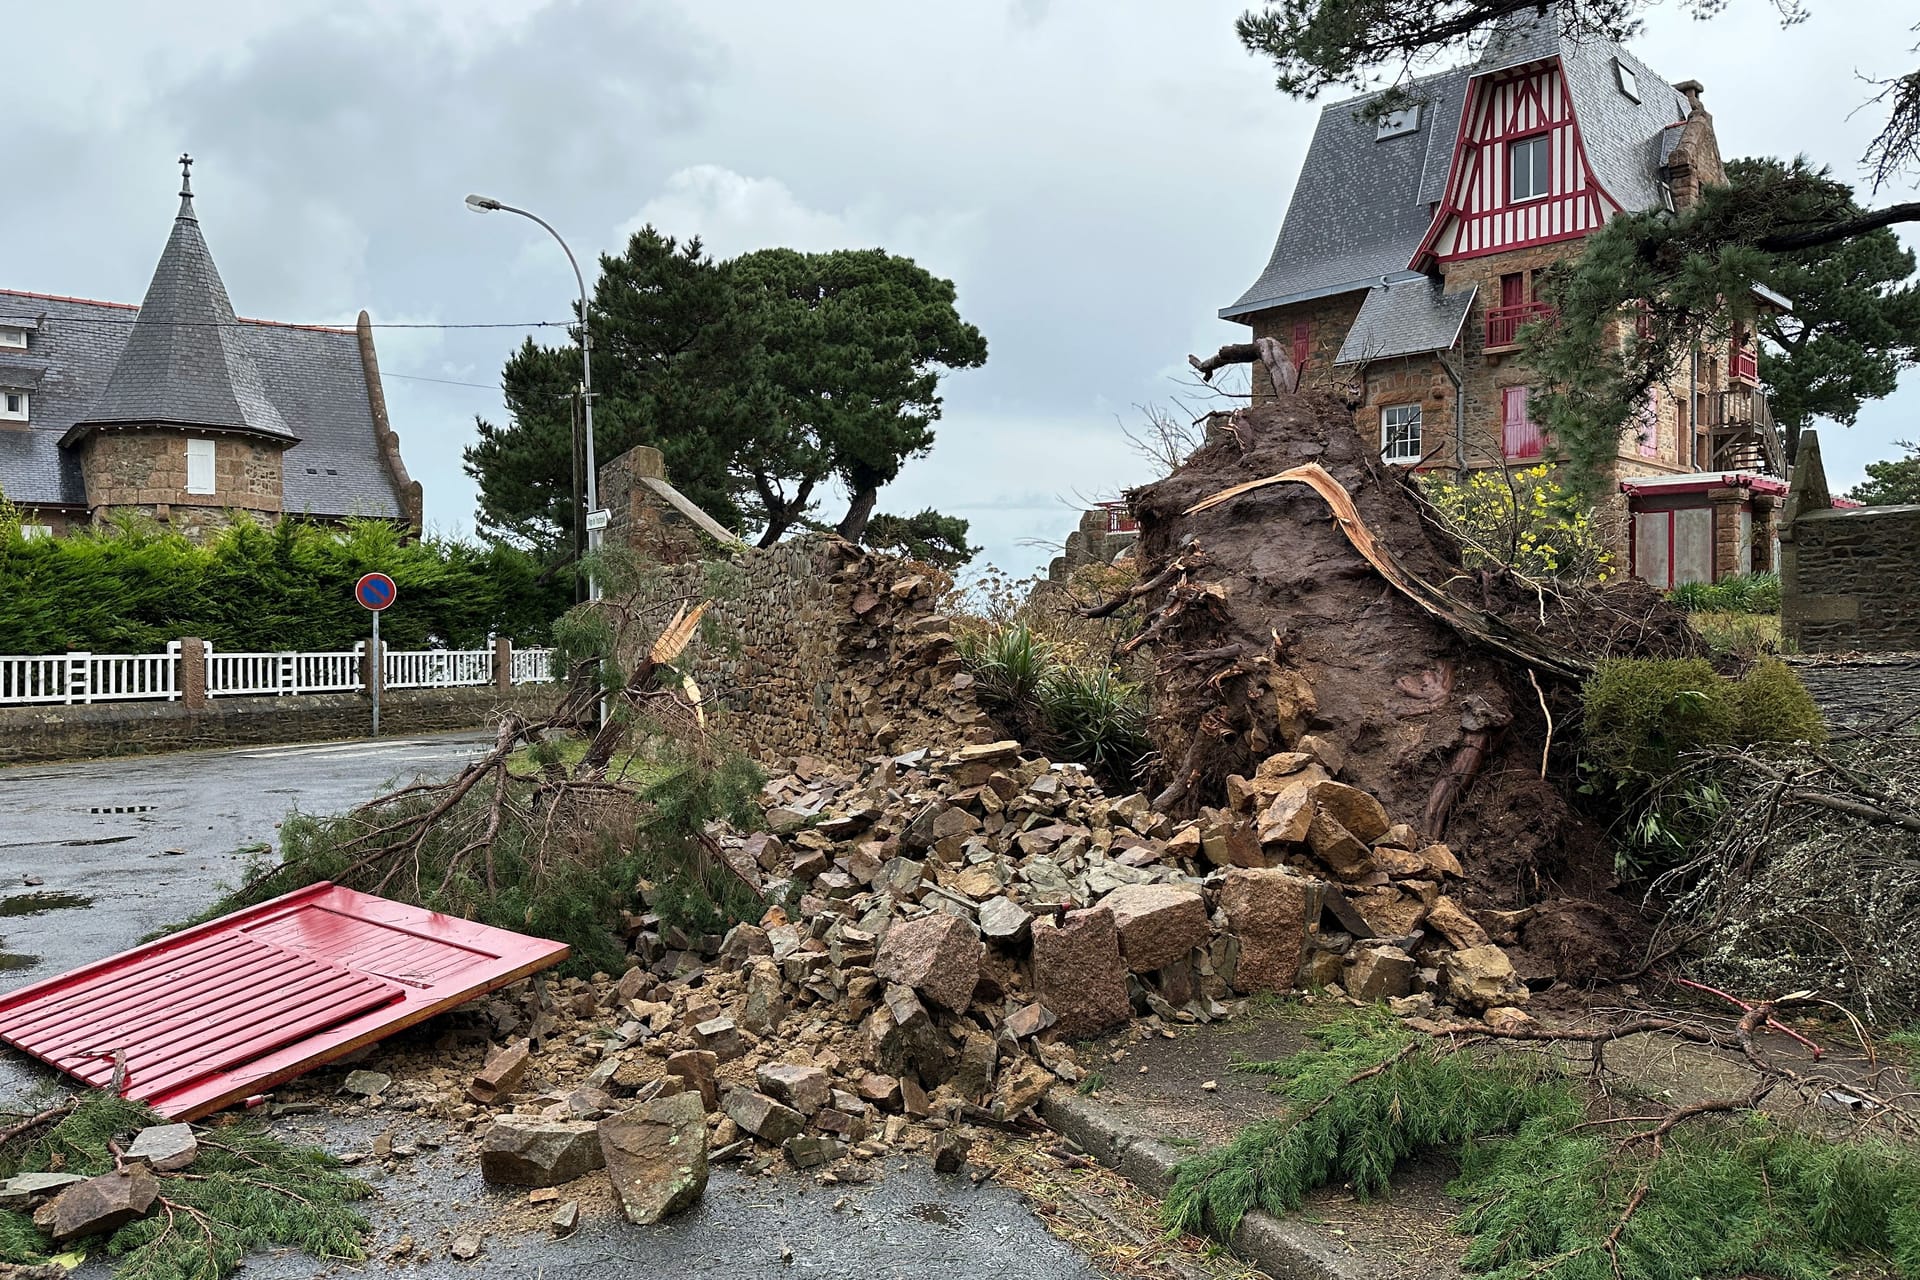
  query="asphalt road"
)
[{"x": 125, "y": 846}]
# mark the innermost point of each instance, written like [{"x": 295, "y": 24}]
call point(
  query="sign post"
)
[{"x": 375, "y": 591}]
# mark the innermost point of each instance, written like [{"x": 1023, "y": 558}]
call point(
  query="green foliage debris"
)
[
  {"x": 1548, "y": 1195},
  {"x": 246, "y": 1190}
]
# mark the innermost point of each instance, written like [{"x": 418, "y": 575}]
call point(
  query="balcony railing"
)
[
  {"x": 1119, "y": 519},
  {"x": 1504, "y": 323},
  {"x": 1741, "y": 432},
  {"x": 1743, "y": 365}
]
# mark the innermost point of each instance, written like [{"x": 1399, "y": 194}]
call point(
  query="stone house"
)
[
  {"x": 1409, "y": 258},
  {"x": 180, "y": 412}
]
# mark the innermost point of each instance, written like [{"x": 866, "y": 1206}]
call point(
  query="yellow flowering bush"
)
[{"x": 1524, "y": 519}]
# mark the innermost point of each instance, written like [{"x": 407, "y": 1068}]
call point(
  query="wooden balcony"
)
[
  {"x": 1743, "y": 365},
  {"x": 1504, "y": 324},
  {"x": 1741, "y": 433}
]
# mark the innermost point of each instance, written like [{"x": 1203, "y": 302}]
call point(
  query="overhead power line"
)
[{"x": 281, "y": 324}]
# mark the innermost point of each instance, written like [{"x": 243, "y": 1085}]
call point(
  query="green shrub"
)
[
  {"x": 1773, "y": 706},
  {"x": 1095, "y": 718},
  {"x": 1736, "y": 593},
  {"x": 1524, "y": 519},
  {"x": 1009, "y": 662},
  {"x": 1642, "y": 716},
  {"x": 133, "y": 587},
  {"x": 1078, "y": 709}
]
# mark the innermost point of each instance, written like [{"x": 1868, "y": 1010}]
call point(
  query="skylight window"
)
[
  {"x": 1623, "y": 75},
  {"x": 12, "y": 337},
  {"x": 1395, "y": 123}
]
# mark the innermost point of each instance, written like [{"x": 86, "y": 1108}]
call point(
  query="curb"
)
[{"x": 1284, "y": 1250}]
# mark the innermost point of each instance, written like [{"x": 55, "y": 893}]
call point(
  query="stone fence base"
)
[{"x": 134, "y": 728}]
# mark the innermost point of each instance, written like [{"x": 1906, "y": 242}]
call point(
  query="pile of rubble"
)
[{"x": 951, "y": 925}]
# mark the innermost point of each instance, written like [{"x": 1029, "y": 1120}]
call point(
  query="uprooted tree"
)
[{"x": 552, "y": 826}]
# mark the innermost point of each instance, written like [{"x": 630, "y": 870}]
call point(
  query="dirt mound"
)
[{"x": 1269, "y": 625}]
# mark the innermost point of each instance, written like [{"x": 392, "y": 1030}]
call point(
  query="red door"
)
[
  {"x": 1513, "y": 290},
  {"x": 1301, "y": 335},
  {"x": 1519, "y": 435}
]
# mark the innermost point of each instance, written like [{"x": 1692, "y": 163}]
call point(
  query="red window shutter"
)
[
  {"x": 1518, "y": 433},
  {"x": 1513, "y": 290},
  {"x": 1302, "y": 336}
]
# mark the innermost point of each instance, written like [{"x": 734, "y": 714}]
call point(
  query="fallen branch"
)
[{"x": 35, "y": 1121}]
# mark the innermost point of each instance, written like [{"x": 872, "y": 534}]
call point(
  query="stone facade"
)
[
  {"x": 1849, "y": 577},
  {"x": 144, "y": 472},
  {"x": 634, "y": 491},
  {"x": 824, "y": 650},
  {"x": 1096, "y": 541}
]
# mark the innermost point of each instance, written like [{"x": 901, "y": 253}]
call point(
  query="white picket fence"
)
[{"x": 118, "y": 677}]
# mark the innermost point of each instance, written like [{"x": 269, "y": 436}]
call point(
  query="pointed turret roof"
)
[{"x": 187, "y": 360}]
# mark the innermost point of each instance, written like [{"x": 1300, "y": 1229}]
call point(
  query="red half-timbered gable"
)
[{"x": 1496, "y": 198}]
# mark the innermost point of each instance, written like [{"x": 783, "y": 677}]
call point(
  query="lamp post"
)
[{"x": 487, "y": 204}]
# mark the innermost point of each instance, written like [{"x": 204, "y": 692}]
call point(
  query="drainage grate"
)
[{"x": 122, "y": 808}]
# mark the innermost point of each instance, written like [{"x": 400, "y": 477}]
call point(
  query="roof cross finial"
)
[{"x": 186, "y": 174}]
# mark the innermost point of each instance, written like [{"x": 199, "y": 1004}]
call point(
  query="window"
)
[
  {"x": 1520, "y": 438},
  {"x": 1396, "y": 123},
  {"x": 1624, "y": 77},
  {"x": 1528, "y": 168},
  {"x": 1400, "y": 433},
  {"x": 13, "y": 406},
  {"x": 199, "y": 466},
  {"x": 36, "y": 531},
  {"x": 15, "y": 338},
  {"x": 1647, "y": 424}
]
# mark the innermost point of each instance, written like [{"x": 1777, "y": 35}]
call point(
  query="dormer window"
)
[
  {"x": 1395, "y": 123},
  {"x": 13, "y": 406},
  {"x": 13, "y": 338},
  {"x": 1529, "y": 163},
  {"x": 1624, "y": 77}
]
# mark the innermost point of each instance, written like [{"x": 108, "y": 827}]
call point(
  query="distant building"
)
[
  {"x": 1409, "y": 260},
  {"x": 180, "y": 412}
]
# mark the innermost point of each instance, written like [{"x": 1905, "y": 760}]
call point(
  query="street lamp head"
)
[{"x": 482, "y": 204}]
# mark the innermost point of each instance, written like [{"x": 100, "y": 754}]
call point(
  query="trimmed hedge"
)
[{"x": 132, "y": 588}]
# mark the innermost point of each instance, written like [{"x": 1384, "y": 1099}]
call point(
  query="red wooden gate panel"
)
[{"x": 212, "y": 1014}]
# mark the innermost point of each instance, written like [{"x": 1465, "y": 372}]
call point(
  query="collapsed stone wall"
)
[{"x": 823, "y": 649}]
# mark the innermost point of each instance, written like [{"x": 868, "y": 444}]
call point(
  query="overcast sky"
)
[{"x": 1097, "y": 176}]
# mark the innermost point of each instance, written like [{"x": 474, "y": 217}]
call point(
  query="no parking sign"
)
[{"x": 375, "y": 591}]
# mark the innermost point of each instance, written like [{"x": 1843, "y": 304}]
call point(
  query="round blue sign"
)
[{"x": 375, "y": 591}]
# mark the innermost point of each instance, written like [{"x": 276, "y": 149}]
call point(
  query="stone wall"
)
[
  {"x": 132, "y": 728},
  {"x": 1849, "y": 577},
  {"x": 824, "y": 650},
  {"x": 1091, "y": 543}
]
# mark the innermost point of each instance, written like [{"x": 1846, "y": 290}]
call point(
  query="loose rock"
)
[{"x": 656, "y": 1157}]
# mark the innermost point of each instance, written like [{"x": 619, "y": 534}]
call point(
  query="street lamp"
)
[{"x": 487, "y": 204}]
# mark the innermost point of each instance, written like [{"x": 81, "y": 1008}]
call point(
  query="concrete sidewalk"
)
[{"x": 1151, "y": 1111}]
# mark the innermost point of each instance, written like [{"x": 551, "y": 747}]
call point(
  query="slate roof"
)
[
  {"x": 1361, "y": 207},
  {"x": 182, "y": 357},
  {"x": 1359, "y": 210},
  {"x": 186, "y": 361},
  {"x": 1406, "y": 318}
]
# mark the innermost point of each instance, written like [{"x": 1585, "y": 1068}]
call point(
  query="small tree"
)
[
  {"x": 1891, "y": 483},
  {"x": 929, "y": 536},
  {"x": 1525, "y": 520}
]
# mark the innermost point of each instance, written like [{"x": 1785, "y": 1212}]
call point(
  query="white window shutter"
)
[{"x": 199, "y": 466}]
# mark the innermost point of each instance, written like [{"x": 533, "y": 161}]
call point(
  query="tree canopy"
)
[
  {"x": 929, "y": 536},
  {"x": 1891, "y": 483},
  {"x": 759, "y": 379}
]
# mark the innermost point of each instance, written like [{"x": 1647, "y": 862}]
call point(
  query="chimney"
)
[{"x": 1691, "y": 90}]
